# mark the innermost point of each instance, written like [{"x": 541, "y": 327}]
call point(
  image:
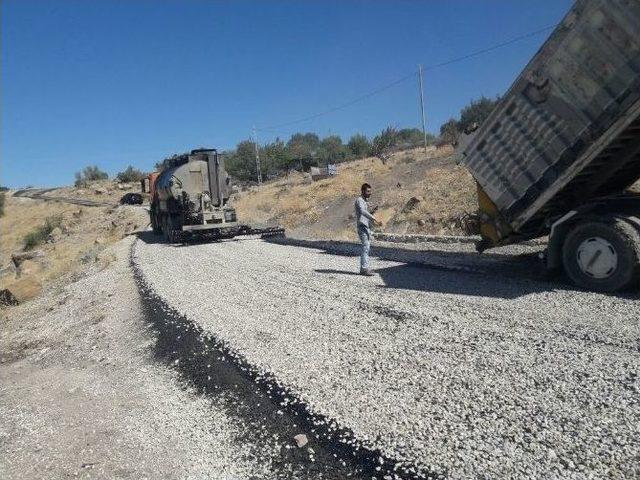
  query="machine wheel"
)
[
  {"x": 602, "y": 255},
  {"x": 164, "y": 226},
  {"x": 173, "y": 229},
  {"x": 155, "y": 223}
]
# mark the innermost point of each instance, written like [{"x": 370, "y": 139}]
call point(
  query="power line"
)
[
  {"x": 491, "y": 48},
  {"x": 341, "y": 106},
  {"x": 407, "y": 77}
]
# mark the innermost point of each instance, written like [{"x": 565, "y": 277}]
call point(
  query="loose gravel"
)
[{"x": 464, "y": 373}]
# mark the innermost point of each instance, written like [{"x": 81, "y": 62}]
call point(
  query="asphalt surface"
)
[{"x": 447, "y": 363}]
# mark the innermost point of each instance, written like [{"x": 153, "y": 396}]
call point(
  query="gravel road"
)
[{"x": 479, "y": 372}]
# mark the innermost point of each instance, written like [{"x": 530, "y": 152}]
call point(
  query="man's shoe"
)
[{"x": 366, "y": 272}]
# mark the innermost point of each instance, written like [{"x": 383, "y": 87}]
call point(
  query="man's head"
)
[{"x": 365, "y": 189}]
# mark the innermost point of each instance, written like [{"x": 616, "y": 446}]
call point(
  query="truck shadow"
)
[
  {"x": 496, "y": 275},
  {"x": 420, "y": 277}
]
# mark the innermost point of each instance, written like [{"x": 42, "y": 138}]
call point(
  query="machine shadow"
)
[
  {"x": 495, "y": 275},
  {"x": 423, "y": 278}
]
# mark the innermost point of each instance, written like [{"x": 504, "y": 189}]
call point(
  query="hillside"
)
[
  {"x": 48, "y": 242},
  {"x": 442, "y": 193}
]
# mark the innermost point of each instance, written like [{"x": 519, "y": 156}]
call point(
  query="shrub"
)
[
  {"x": 359, "y": 146},
  {"x": 331, "y": 150},
  {"x": 241, "y": 163},
  {"x": 449, "y": 132},
  {"x": 384, "y": 142},
  {"x": 130, "y": 174},
  {"x": 40, "y": 234},
  {"x": 476, "y": 112},
  {"x": 89, "y": 174},
  {"x": 1, "y": 204}
]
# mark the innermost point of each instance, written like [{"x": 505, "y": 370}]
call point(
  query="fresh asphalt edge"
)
[{"x": 199, "y": 347}]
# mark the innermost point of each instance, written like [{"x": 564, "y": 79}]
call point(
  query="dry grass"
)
[
  {"x": 323, "y": 209},
  {"x": 296, "y": 199},
  {"x": 77, "y": 246}
]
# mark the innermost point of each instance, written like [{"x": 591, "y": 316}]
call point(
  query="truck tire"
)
[
  {"x": 155, "y": 223},
  {"x": 164, "y": 225},
  {"x": 602, "y": 255},
  {"x": 173, "y": 229}
]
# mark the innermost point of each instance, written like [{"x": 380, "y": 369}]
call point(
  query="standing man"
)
[{"x": 364, "y": 220}]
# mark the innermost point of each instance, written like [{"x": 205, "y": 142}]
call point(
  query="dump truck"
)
[
  {"x": 189, "y": 199},
  {"x": 561, "y": 148}
]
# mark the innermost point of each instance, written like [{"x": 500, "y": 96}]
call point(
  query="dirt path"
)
[{"x": 92, "y": 385}]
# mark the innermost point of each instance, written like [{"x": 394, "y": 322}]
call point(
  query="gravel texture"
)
[
  {"x": 471, "y": 369},
  {"x": 92, "y": 387}
]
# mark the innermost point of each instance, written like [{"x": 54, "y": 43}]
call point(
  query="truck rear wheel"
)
[
  {"x": 172, "y": 229},
  {"x": 602, "y": 255},
  {"x": 155, "y": 223}
]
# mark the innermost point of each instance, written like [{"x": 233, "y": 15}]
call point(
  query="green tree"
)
[
  {"x": 130, "y": 174},
  {"x": 275, "y": 157},
  {"x": 303, "y": 149},
  {"x": 359, "y": 146},
  {"x": 332, "y": 150},
  {"x": 449, "y": 132},
  {"x": 476, "y": 112},
  {"x": 413, "y": 137},
  {"x": 242, "y": 162},
  {"x": 384, "y": 142},
  {"x": 89, "y": 174}
]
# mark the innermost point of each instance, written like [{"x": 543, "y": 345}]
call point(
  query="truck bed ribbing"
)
[{"x": 567, "y": 130}]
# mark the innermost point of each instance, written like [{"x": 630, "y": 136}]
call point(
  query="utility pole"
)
[
  {"x": 424, "y": 128},
  {"x": 258, "y": 169}
]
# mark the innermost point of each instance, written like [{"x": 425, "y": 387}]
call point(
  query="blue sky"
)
[{"x": 114, "y": 83}]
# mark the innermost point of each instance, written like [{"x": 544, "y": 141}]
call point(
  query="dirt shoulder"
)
[{"x": 81, "y": 395}]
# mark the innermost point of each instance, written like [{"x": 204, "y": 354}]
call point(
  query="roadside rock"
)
[
  {"x": 20, "y": 291},
  {"x": 100, "y": 191},
  {"x": 411, "y": 204},
  {"x": 301, "y": 440},
  {"x": 100, "y": 241},
  {"x": 55, "y": 235},
  {"x": 20, "y": 257},
  {"x": 29, "y": 267},
  {"x": 8, "y": 273}
]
